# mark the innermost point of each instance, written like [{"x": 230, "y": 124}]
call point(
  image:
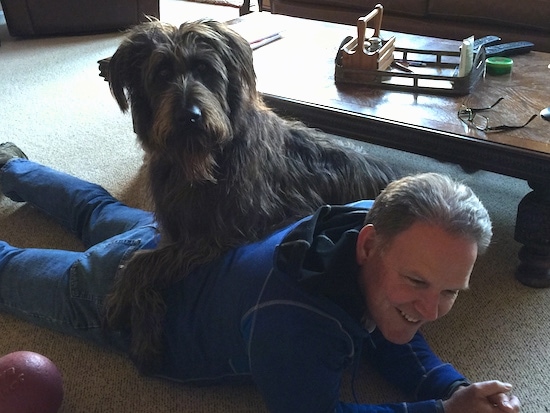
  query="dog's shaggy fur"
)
[{"x": 224, "y": 170}]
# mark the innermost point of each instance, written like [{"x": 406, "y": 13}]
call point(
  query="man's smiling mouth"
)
[{"x": 408, "y": 317}]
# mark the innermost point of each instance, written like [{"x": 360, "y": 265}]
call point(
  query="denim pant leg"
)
[
  {"x": 84, "y": 208},
  {"x": 64, "y": 290}
]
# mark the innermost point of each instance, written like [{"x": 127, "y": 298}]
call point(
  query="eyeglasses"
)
[{"x": 471, "y": 116}]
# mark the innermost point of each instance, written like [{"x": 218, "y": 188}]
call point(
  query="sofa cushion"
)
[
  {"x": 47, "y": 17},
  {"x": 404, "y": 7},
  {"x": 529, "y": 13}
]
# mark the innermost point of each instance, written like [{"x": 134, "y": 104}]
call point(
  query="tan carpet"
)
[{"x": 57, "y": 108}]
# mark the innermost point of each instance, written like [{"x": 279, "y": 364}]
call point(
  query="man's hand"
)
[{"x": 483, "y": 397}]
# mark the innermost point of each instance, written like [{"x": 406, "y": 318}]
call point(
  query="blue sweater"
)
[{"x": 286, "y": 312}]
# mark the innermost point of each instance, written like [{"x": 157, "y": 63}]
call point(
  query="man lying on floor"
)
[{"x": 292, "y": 311}]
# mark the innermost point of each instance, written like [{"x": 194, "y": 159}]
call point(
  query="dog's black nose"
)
[{"x": 191, "y": 114}]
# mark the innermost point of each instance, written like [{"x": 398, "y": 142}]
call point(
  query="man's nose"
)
[{"x": 428, "y": 306}]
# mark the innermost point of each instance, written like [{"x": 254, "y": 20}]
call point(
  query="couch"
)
[
  {"x": 512, "y": 20},
  {"x": 51, "y": 17}
]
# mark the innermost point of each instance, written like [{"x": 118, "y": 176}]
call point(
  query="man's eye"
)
[
  {"x": 416, "y": 281},
  {"x": 451, "y": 293}
]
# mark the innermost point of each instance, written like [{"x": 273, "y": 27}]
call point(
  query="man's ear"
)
[{"x": 365, "y": 243}]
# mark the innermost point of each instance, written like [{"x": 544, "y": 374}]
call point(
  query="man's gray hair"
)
[{"x": 434, "y": 199}]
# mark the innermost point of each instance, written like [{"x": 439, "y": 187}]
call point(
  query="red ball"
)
[{"x": 29, "y": 383}]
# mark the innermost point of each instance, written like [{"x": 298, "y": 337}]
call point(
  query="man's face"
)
[{"x": 414, "y": 279}]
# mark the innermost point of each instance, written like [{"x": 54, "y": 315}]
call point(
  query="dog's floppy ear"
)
[
  {"x": 240, "y": 55},
  {"x": 127, "y": 65}
]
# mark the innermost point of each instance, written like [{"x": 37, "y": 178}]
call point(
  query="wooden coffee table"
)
[{"x": 296, "y": 78}]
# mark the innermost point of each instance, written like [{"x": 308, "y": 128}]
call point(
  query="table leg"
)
[
  {"x": 245, "y": 8},
  {"x": 533, "y": 231}
]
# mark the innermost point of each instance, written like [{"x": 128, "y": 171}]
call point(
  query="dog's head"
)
[{"x": 184, "y": 85}]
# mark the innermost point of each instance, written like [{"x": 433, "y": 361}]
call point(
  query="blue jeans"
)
[{"x": 64, "y": 290}]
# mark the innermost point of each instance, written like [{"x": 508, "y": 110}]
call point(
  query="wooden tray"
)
[
  {"x": 357, "y": 53},
  {"x": 435, "y": 73}
]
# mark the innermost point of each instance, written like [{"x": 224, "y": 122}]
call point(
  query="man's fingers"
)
[
  {"x": 483, "y": 397},
  {"x": 493, "y": 387},
  {"x": 506, "y": 403}
]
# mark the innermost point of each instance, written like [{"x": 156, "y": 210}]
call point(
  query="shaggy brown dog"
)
[{"x": 224, "y": 170}]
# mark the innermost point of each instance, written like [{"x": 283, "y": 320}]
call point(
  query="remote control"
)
[
  {"x": 485, "y": 41},
  {"x": 509, "y": 49}
]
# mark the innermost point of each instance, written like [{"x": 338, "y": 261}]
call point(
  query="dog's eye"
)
[
  {"x": 202, "y": 69},
  {"x": 164, "y": 73}
]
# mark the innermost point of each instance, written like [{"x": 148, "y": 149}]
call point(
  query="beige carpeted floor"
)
[{"x": 56, "y": 107}]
